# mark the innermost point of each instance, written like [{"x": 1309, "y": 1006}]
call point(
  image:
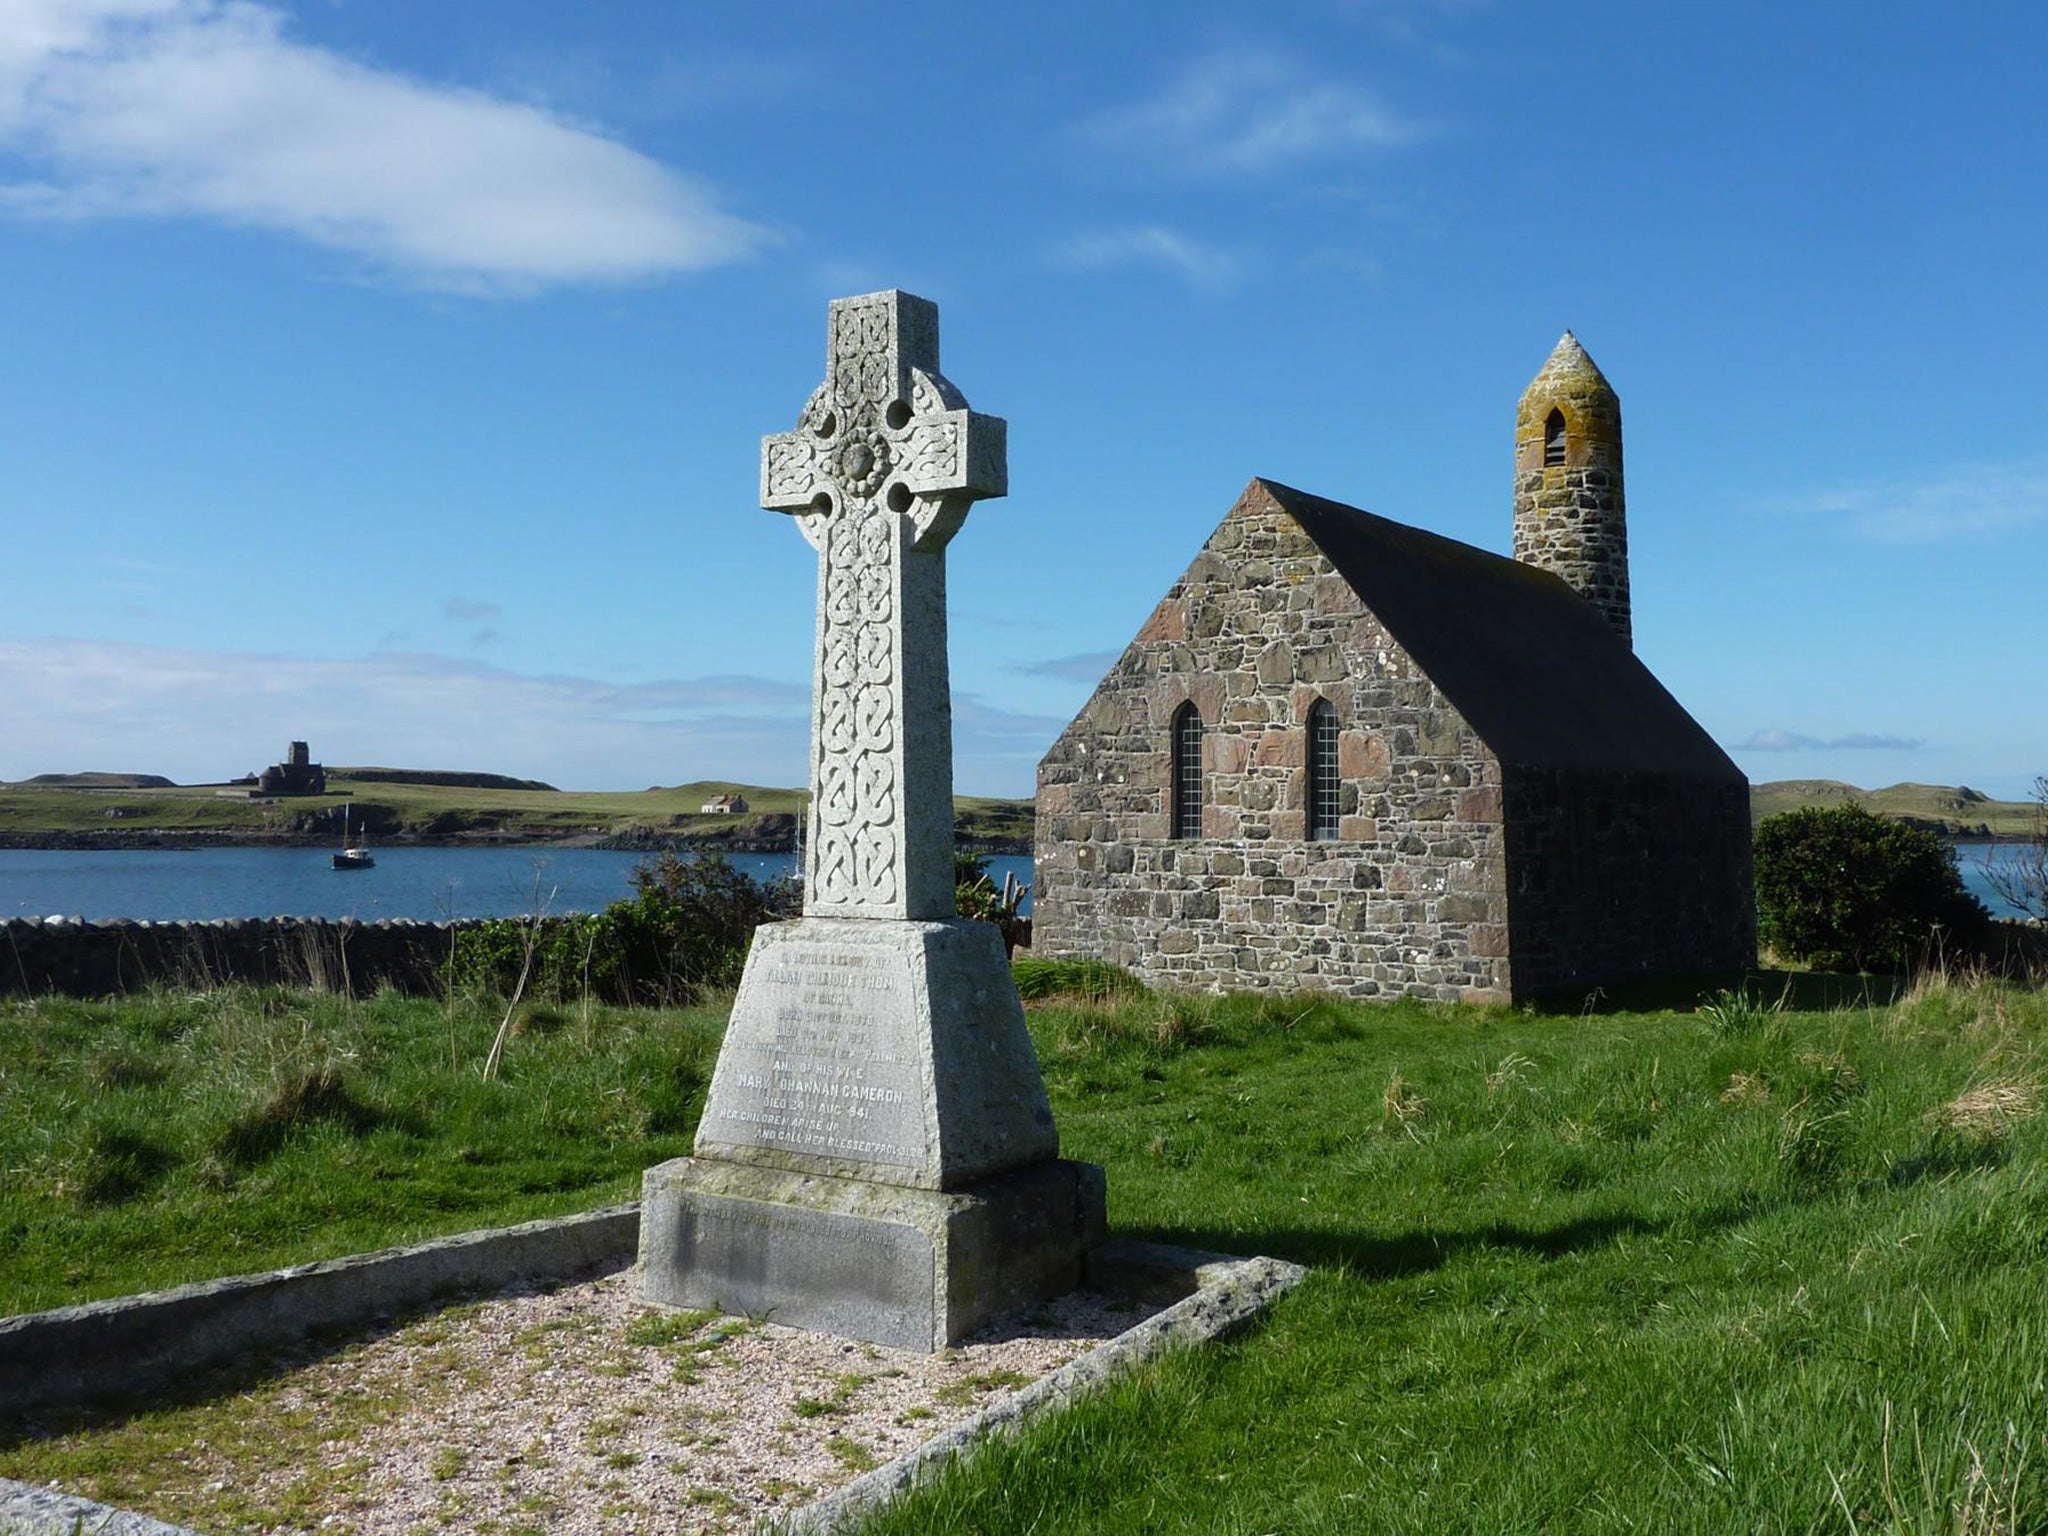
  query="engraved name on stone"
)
[
  {"x": 825, "y": 1081},
  {"x": 768, "y": 1218}
]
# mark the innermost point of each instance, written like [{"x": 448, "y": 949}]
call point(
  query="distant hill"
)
[
  {"x": 1956, "y": 810},
  {"x": 101, "y": 781},
  {"x": 438, "y": 807},
  {"x": 442, "y": 777}
]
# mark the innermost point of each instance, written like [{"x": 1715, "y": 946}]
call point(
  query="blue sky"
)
[{"x": 393, "y": 375}]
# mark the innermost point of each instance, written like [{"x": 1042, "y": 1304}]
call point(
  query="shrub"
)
[
  {"x": 684, "y": 930},
  {"x": 572, "y": 956},
  {"x": 689, "y": 923},
  {"x": 976, "y": 898},
  {"x": 1840, "y": 888}
]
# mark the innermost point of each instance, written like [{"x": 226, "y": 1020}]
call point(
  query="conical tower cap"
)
[
  {"x": 1570, "y": 378},
  {"x": 1570, "y": 369}
]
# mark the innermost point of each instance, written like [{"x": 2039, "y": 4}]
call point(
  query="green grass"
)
[
  {"x": 1746, "y": 1268},
  {"x": 445, "y": 811},
  {"x": 177, "y": 1137},
  {"x": 1746, "y": 1271}
]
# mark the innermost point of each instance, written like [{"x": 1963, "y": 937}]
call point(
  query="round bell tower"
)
[{"x": 1569, "y": 511}]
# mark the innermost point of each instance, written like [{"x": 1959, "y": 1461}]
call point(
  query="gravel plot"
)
[{"x": 581, "y": 1410}]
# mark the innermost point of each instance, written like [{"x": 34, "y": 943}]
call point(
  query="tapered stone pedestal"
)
[{"x": 877, "y": 1158}]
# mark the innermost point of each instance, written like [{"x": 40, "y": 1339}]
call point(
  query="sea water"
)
[
  {"x": 428, "y": 883},
  {"x": 432, "y": 884}
]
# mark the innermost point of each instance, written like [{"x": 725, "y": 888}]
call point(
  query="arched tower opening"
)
[{"x": 1570, "y": 512}]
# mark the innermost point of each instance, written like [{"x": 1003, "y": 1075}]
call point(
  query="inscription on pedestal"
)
[
  {"x": 833, "y": 1078},
  {"x": 811, "y": 1269}
]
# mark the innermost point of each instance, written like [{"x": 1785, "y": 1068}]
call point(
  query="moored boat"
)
[{"x": 354, "y": 855}]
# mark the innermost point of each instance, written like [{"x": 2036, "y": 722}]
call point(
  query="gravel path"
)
[{"x": 580, "y": 1410}]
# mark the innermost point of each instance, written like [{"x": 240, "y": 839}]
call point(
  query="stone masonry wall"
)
[
  {"x": 1618, "y": 876},
  {"x": 1410, "y": 900}
]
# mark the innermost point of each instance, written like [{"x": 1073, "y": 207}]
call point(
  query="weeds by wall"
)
[{"x": 101, "y": 959}]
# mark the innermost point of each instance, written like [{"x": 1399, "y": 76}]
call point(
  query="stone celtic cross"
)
[{"x": 879, "y": 473}]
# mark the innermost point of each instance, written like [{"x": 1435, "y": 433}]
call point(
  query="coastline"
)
[{"x": 143, "y": 838}]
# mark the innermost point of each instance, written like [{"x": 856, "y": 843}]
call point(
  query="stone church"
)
[{"x": 1348, "y": 754}]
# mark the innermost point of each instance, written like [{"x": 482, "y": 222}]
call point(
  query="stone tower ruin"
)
[{"x": 1569, "y": 513}]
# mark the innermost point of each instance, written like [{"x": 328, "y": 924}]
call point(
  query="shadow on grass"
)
[
  {"x": 1946, "y": 1158},
  {"x": 1395, "y": 1255},
  {"x": 1796, "y": 991}
]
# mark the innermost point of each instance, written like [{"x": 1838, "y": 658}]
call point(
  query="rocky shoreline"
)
[{"x": 634, "y": 841}]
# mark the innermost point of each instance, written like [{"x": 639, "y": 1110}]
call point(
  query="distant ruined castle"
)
[{"x": 298, "y": 774}]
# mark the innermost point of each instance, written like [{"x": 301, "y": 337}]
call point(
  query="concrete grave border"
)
[
  {"x": 1220, "y": 1294},
  {"x": 27, "y": 1510},
  {"x": 134, "y": 1345}
]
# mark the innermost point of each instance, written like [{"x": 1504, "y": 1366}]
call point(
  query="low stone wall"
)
[{"x": 95, "y": 959}]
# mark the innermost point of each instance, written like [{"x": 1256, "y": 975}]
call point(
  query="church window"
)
[
  {"x": 1553, "y": 440},
  {"x": 1187, "y": 773},
  {"x": 1324, "y": 796}
]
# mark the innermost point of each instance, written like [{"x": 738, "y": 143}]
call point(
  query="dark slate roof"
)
[{"x": 1534, "y": 670}]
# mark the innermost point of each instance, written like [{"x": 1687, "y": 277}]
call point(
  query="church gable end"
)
[{"x": 1399, "y": 890}]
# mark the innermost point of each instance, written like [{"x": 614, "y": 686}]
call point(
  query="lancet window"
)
[
  {"x": 1325, "y": 797},
  {"x": 1187, "y": 772}
]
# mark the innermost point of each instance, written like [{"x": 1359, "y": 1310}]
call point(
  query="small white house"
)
[{"x": 725, "y": 805}]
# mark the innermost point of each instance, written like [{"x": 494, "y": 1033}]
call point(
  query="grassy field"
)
[
  {"x": 1748, "y": 1268},
  {"x": 175, "y": 1137},
  {"x": 448, "y": 812},
  {"x": 1958, "y": 811},
  {"x": 441, "y": 811}
]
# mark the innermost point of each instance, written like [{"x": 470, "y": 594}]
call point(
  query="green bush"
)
[
  {"x": 1841, "y": 888},
  {"x": 976, "y": 898},
  {"x": 685, "y": 930},
  {"x": 572, "y": 955},
  {"x": 688, "y": 926}
]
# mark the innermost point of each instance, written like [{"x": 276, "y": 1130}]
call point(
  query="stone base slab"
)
[{"x": 885, "y": 1263}]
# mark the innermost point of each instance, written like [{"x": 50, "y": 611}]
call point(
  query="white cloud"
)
[
  {"x": 205, "y": 108},
  {"x": 200, "y": 715},
  {"x": 995, "y": 750},
  {"x": 1856, "y": 741},
  {"x": 1251, "y": 111},
  {"x": 71, "y": 705},
  {"x": 1081, "y": 667},
  {"x": 1201, "y": 266},
  {"x": 1970, "y": 501}
]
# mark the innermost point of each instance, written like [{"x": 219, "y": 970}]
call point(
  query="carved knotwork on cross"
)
[{"x": 879, "y": 473}]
